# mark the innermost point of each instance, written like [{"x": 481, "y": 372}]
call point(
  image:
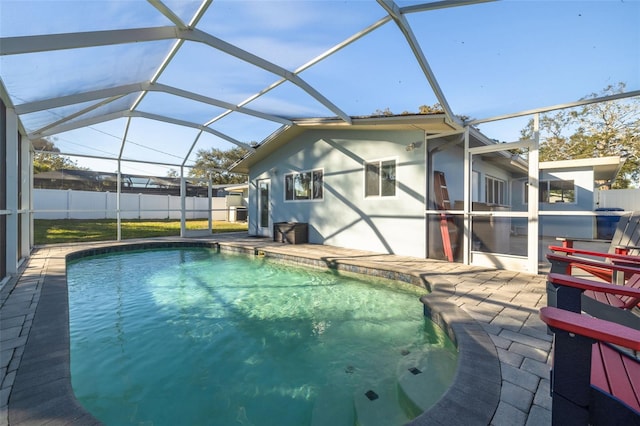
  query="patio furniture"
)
[
  {"x": 602, "y": 300},
  {"x": 625, "y": 242},
  {"x": 592, "y": 382},
  {"x": 291, "y": 232},
  {"x": 614, "y": 268}
]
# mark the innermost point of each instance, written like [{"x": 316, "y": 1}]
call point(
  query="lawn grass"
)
[{"x": 76, "y": 230}]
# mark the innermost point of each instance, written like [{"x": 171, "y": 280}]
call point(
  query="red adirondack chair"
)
[
  {"x": 612, "y": 302},
  {"x": 593, "y": 382},
  {"x": 624, "y": 248}
]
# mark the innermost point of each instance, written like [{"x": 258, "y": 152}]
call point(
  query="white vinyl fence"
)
[
  {"x": 71, "y": 204},
  {"x": 626, "y": 199}
]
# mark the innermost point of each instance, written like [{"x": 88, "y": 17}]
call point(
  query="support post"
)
[
  {"x": 118, "y": 196},
  {"x": 12, "y": 191},
  {"x": 533, "y": 228},
  {"x": 183, "y": 204},
  {"x": 24, "y": 220},
  {"x": 467, "y": 218},
  {"x": 210, "y": 203}
]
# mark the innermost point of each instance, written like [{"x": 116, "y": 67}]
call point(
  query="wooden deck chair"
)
[
  {"x": 617, "y": 303},
  {"x": 609, "y": 267},
  {"x": 625, "y": 242},
  {"x": 592, "y": 382}
]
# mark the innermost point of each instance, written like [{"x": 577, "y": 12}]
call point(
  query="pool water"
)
[{"x": 197, "y": 337}]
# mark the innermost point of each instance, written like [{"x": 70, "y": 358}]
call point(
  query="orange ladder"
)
[{"x": 448, "y": 228}]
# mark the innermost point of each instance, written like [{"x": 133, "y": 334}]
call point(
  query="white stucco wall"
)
[{"x": 345, "y": 217}]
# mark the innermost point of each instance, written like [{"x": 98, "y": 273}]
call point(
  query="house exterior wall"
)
[
  {"x": 345, "y": 217},
  {"x": 566, "y": 225},
  {"x": 570, "y": 225}
]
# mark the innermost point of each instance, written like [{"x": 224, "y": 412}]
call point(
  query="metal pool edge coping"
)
[{"x": 42, "y": 390}]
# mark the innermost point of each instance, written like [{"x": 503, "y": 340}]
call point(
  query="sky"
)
[{"x": 489, "y": 59}]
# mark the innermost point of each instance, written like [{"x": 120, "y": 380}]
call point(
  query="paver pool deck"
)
[{"x": 34, "y": 372}]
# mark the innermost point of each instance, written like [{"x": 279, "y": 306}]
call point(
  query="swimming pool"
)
[{"x": 193, "y": 336}]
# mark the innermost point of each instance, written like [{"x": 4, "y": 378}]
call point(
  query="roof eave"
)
[{"x": 430, "y": 123}]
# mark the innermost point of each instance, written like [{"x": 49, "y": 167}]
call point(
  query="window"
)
[
  {"x": 554, "y": 191},
  {"x": 495, "y": 191},
  {"x": 380, "y": 178},
  {"x": 306, "y": 185},
  {"x": 557, "y": 191}
]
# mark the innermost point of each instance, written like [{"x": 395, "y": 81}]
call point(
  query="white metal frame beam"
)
[
  {"x": 77, "y": 114},
  {"x": 177, "y": 45},
  {"x": 541, "y": 110},
  {"x": 401, "y": 21},
  {"x": 119, "y": 91},
  {"x": 49, "y": 42},
  {"x": 192, "y": 125},
  {"x": 166, "y": 11},
  {"x": 10, "y": 138},
  {"x": 127, "y": 113},
  {"x": 309, "y": 64},
  {"x": 441, "y": 5},
  {"x": 123, "y": 159},
  {"x": 76, "y": 98},
  {"x": 208, "y": 39}
]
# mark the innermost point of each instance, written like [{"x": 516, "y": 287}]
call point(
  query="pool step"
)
[
  {"x": 333, "y": 406},
  {"x": 379, "y": 406},
  {"x": 419, "y": 386},
  {"x": 394, "y": 401}
]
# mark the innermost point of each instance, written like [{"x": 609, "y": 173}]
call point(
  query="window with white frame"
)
[
  {"x": 304, "y": 186},
  {"x": 495, "y": 191},
  {"x": 557, "y": 191},
  {"x": 380, "y": 178}
]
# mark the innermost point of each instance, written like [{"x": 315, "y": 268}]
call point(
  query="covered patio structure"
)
[{"x": 139, "y": 88}]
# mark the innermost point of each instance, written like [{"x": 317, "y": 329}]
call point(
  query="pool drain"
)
[
  {"x": 414, "y": 370},
  {"x": 371, "y": 395}
]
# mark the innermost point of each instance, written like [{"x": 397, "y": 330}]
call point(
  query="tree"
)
[
  {"x": 595, "y": 130},
  {"x": 49, "y": 160},
  {"x": 430, "y": 109},
  {"x": 382, "y": 113},
  {"x": 422, "y": 109},
  {"x": 217, "y": 162}
]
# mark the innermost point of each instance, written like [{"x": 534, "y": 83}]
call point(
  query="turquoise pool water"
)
[{"x": 196, "y": 337}]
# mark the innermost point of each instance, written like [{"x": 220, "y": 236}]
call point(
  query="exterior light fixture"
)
[{"x": 413, "y": 145}]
